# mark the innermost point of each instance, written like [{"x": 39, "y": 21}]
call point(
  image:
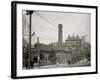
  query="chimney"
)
[{"x": 60, "y": 26}]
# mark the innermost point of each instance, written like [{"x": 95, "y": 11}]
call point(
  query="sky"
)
[{"x": 45, "y": 25}]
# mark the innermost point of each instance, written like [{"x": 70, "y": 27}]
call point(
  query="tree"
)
[{"x": 87, "y": 50}]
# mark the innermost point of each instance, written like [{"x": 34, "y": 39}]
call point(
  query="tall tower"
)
[{"x": 60, "y": 26}]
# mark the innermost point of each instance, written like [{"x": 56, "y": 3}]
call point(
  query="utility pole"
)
[
  {"x": 29, "y": 12},
  {"x": 38, "y": 52}
]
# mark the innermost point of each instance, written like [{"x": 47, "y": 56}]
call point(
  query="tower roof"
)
[{"x": 73, "y": 37}]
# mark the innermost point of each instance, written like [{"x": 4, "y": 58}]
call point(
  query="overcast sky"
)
[{"x": 45, "y": 25}]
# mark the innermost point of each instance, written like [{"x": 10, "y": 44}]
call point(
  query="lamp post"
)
[{"x": 29, "y": 12}]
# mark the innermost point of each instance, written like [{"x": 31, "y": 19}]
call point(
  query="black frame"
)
[{"x": 14, "y": 39}]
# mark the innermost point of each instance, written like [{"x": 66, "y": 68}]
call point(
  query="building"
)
[
  {"x": 73, "y": 42},
  {"x": 49, "y": 54}
]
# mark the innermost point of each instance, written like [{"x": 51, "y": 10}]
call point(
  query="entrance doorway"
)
[{"x": 35, "y": 59}]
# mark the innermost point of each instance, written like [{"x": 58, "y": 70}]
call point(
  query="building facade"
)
[{"x": 73, "y": 42}]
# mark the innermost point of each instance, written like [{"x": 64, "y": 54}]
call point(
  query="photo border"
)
[{"x": 14, "y": 38}]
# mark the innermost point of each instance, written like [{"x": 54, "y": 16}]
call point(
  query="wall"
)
[{"x": 5, "y": 40}]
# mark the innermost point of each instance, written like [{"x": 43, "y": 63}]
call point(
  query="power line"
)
[
  {"x": 48, "y": 21},
  {"x": 45, "y": 19},
  {"x": 49, "y": 29}
]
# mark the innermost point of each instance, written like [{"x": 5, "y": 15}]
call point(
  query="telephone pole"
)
[
  {"x": 38, "y": 52},
  {"x": 29, "y": 12}
]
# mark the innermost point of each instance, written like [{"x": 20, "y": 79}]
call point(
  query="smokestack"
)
[{"x": 60, "y": 26}]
